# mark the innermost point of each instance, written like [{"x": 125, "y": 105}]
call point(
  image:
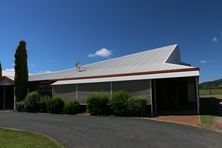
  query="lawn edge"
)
[{"x": 36, "y": 133}]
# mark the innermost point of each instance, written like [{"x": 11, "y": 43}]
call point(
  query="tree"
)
[
  {"x": 0, "y": 70},
  {"x": 21, "y": 71}
]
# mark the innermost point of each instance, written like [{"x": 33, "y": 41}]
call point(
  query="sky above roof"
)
[{"x": 59, "y": 33}]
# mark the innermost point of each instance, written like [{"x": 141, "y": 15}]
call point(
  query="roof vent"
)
[{"x": 78, "y": 65}]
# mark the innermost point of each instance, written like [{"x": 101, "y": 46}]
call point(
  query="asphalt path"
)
[{"x": 112, "y": 132}]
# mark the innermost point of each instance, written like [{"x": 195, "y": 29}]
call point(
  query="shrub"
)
[
  {"x": 119, "y": 103},
  {"x": 56, "y": 105},
  {"x": 137, "y": 106},
  {"x": 97, "y": 103},
  {"x": 72, "y": 107},
  {"x": 44, "y": 103},
  {"x": 32, "y": 102},
  {"x": 20, "y": 106}
]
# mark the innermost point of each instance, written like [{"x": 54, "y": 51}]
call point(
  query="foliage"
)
[
  {"x": 20, "y": 106},
  {"x": 119, "y": 103},
  {"x": 44, "y": 103},
  {"x": 97, "y": 103},
  {"x": 72, "y": 107},
  {"x": 137, "y": 106},
  {"x": 32, "y": 102},
  {"x": 56, "y": 105},
  {"x": 21, "y": 71}
]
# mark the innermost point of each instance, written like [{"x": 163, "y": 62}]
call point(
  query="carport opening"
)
[
  {"x": 175, "y": 96},
  {"x": 6, "y": 97}
]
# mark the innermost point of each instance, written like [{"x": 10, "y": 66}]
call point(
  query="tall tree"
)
[
  {"x": 21, "y": 71},
  {"x": 0, "y": 70}
]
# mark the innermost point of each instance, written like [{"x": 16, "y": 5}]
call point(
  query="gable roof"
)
[{"x": 158, "y": 60}]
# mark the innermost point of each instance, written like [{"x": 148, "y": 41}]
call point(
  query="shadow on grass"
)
[{"x": 210, "y": 106}]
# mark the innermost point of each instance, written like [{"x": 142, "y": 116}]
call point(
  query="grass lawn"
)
[
  {"x": 208, "y": 96},
  {"x": 210, "y": 92},
  {"x": 209, "y": 109},
  {"x": 22, "y": 139},
  {"x": 207, "y": 120}
]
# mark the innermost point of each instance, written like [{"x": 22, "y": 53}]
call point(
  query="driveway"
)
[{"x": 95, "y": 132}]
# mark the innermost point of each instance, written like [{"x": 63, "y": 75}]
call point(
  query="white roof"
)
[
  {"x": 156, "y": 60},
  {"x": 152, "y": 62}
]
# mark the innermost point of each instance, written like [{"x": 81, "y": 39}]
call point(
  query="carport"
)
[
  {"x": 6, "y": 93},
  {"x": 175, "y": 96}
]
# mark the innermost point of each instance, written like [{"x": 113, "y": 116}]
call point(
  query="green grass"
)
[
  {"x": 209, "y": 108},
  {"x": 209, "y": 96},
  {"x": 207, "y": 120},
  {"x": 21, "y": 139},
  {"x": 216, "y": 91}
]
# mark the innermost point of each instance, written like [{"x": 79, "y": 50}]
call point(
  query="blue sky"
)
[{"x": 61, "y": 32}]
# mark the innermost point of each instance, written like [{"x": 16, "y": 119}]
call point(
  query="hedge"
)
[
  {"x": 20, "y": 106},
  {"x": 31, "y": 102},
  {"x": 72, "y": 107},
  {"x": 97, "y": 103},
  {"x": 56, "y": 105},
  {"x": 119, "y": 103},
  {"x": 44, "y": 103},
  {"x": 137, "y": 106}
]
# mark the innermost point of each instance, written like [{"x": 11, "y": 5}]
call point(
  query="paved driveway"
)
[{"x": 113, "y": 132}]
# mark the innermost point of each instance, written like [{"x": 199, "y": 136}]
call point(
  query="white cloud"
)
[
  {"x": 215, "y": 39},
  {"x": 91, "y": 55},
  {"x": 8, "y": 72},
  {"x": 101, "y": 53},
  {"x": 42, "y": 72},
  {"x": 204, "y": 61}
]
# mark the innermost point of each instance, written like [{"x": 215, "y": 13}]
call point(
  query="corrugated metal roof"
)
[
  {"x": 159, "y": 59},
  {"x": 150, "y": 60}
]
